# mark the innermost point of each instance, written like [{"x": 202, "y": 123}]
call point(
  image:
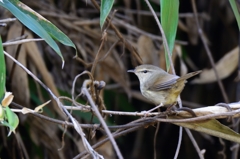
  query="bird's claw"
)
[
  {"x": 190, "y": 111},
  {"x": 146, "y": 113},
  {"x": 225, "y": 105}
]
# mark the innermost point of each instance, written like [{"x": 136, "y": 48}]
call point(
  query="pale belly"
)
[
  {"x": 156, "y": 99},
  {"x": 164, "y": 96}
]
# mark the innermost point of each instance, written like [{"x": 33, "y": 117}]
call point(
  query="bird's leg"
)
[
  {"x": 151, "y": 110},
  {"x": 171, "y": 106},
  {"x": 168, "y": 111},
  {"x": 225, "y": 105},
  {"x": 190, "y": 111},
  {"x": 158, "y": 106}
]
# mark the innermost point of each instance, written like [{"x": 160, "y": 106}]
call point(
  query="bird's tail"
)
[{"x": 189, "y": 75}]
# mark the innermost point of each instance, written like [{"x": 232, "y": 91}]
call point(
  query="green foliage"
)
[
  {"x": 37, "y": 24},
  {"x": 12, "y": 120},
  {"x": 2, "y": 72},
  {"x": 106, "y": 6},
  {"x": 169, "y": 20},
  {"x": 235, "y": 11}
]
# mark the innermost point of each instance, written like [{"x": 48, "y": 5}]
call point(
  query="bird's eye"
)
[{"x": 144, "y": 71}]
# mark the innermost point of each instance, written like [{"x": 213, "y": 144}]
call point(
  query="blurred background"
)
[{"x": 79, "y": 20}]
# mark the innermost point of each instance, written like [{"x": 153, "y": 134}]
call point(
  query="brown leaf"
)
[
  {"x": 19, "y": 79},
  {"x": 7, "y": 99},
  {"x": 224, "y": 67},
  {"x": 146, "y": 50},
  {"x": 35, "y": 56},
  {"x": 114, "y": 69}
]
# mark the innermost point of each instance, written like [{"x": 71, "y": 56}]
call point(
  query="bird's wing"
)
[{"x": 163, "y": 83}]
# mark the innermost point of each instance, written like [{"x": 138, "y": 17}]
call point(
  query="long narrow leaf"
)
[
  {"x": 169, "y": 20},
  {"x": 38, "y": 24},
  {"x": 2, "y": 72},
  {"x": 213, "y": 127},
  {"x": 52, "y": 30},
  {"x": 12, "y": 119},
  {"x": 32, "y": 24},
  {"x": 235, "y": 11},
  {"x": 106, "y": 6}
]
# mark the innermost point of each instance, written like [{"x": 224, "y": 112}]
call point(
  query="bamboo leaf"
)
[
  {"x": 12, "y": 119},
  {"x": 235, "y": 11},
  {"x": 2, "y": 72},
  {"x": 106, "y": 6},
  {"x": 169, "y": 21},
  {"x": 38, "y": 24},
  {"x": 213, "y": 127}
]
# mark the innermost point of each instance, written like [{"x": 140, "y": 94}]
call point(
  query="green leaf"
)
[
  {"x": 2, "y": 72},
  {"x": 2, "y": 113},
  {"x": 235, "y": 11},
  {"x": 38, "y": 24},
  {"x": 12, "y": 119},
  {"x": 106, "y": 6},
  {"x": 213, "y": 127},
  {"x": 169, "y": 21}
]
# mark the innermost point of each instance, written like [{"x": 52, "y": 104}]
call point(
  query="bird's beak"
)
[{"x": 133, "y": 71}]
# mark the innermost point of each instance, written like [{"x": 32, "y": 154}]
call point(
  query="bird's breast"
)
[
  {"x": 155, "y": 97},
  {"x": 166, "y": 97}
]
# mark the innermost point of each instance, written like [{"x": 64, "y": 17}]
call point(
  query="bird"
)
[{"x": 158, "y": 86}]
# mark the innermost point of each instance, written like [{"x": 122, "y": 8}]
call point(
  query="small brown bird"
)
[{"x": 158, "y": 86}]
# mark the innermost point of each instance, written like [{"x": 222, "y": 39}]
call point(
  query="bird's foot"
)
[
  {"x": 225, "y": 105},
  {"x": 190, "y": 111},
  {"x": 146, "y": 113}
]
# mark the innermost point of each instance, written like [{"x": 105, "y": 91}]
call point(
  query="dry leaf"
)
[
  {"x": 38, "y": 109},
  {"x": 162, "y": 60},
  {"x": 146, "y": 50},
  {"x": 106, "y": 150},
  {"x": 19, "y": 79},
  {"x": 192, "y": 30},
  {"x": 7, "y": 99},
  {"x": 115, "y": 70},
  {"x": 37, "y": 60},
  {"x": 21, "y": 91},
  {"x": 44, "y": 134},
  {"x": 183, "y": 67},
  {"x": 224, "y": 67}
]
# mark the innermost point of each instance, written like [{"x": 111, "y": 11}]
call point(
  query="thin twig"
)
[
  {"x": 163, "y": 36},
  {"x": 21, "y": 42},
  {"x": 179, "y": 142},
  {"x": 180, "y": 132},
  {"x": 7, "y": 20},
  {"x": 222, "y": 152},
  {"x": 115, "y": 135},
  {"x": 155, "y": 140},
  {"x": 31, "y": 74},
  {"x": 200, "y": 32},
  {"x": 235, "y": 151},
  {"x": 104, "y": 38},
  {"x": 18, "y": 38},
  {"x": 142, "y": 32},
  {"x": 95, "y": 110},
  {"x": 147, "y": 13},
  {"x": 194, "y": 143},
  {"x": 63, "y": 109},
  {"x": 16, "y": 57},
  {"x": 204, "y": 111},
  {"x": 172, "y": 67},
  {"x": 126, "y": 43},
  {"x": 217, "y": 115}
]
